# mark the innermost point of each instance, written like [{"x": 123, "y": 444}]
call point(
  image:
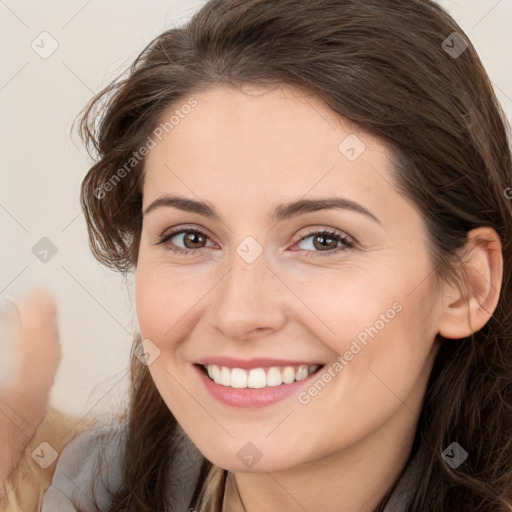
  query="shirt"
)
[
  {"x": 24, "y": 490},
  {"x": 91, "y": 465}
]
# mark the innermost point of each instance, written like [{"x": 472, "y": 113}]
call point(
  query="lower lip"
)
[{"x": 250, "y": 397}]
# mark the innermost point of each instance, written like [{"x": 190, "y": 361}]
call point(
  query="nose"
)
[{"x": 249, "y": 301}]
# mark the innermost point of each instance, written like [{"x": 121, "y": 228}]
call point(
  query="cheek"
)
[
  {"x": 151, "y": 302},
  {"x": 381, "y": 329},
  {"x": 342, "y": 304},
  {"x": 162, "y": 303},
  {"x": 165, "y": 298},
  {"x": 382, "y": 368}
]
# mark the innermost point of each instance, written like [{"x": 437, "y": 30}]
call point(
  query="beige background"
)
[{"x": 42, "y": 166}]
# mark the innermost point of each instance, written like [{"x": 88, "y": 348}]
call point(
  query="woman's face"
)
[{"x": 245, "y": 298}]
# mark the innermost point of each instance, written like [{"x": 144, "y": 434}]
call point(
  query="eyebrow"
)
[{"x": 280, "y": 213}]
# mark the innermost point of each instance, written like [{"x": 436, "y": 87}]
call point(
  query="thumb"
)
[{"x": 36, "y": 351}]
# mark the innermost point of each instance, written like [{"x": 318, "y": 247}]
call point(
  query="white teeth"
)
[
  {"x": 302, "y": 373},
  {"x": 215, "y": 373},
  {"x": 225, "y": 376},
  {"x": 257, "y": 378},
  {"x": 274, "y": 377},
  {"x": 238, "y": 378},
  {"x": 288, "y": 375}
]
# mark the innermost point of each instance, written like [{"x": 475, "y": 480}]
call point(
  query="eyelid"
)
[
  {"x": 348, "y": 242},
  {"x": 180, "y": 230},
  {"x": 175, "y": 230},
  {"x": 323, "y": 229},
  {"x": 311, "y": 231}
]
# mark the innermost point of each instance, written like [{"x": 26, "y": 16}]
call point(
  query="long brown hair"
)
[{"x": 395, "y": 68}]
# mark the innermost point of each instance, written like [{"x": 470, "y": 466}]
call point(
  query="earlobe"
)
[{"x": 468, "y": 305}]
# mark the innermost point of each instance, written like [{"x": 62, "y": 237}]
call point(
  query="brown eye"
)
[
  {"x": 192, "y": 239},
  {"x": 324, "y": 242},
  {"x": 327, "y": 242}
]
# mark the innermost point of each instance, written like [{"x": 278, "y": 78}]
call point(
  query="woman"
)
[{"x": 312, "y": 197}]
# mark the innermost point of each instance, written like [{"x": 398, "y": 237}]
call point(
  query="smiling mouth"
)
[{"x": 257, "y": 378}]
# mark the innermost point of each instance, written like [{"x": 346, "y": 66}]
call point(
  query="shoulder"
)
[
  {"x": 33, "y": 476},
  {"x": 87, "y": 469},
  {"x": 184, "y": 470},
  {"x": 90, "y": 468}
]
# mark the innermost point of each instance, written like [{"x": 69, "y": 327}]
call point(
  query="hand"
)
[{"x": 33, "y": 357}]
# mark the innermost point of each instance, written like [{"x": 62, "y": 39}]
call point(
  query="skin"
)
[
  {"x": 245, "y": 152},
  {"x": 25, "y": 392}
]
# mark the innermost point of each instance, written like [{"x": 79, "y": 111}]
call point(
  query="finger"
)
[
  {"x": 9, "y": 329},
  {"x": 39, "y": 350}
]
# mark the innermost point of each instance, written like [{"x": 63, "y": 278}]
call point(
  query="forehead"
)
[{"x": 265, "y": 145}]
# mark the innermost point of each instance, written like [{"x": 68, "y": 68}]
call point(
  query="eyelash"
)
[{"x": 349, "y": 245}]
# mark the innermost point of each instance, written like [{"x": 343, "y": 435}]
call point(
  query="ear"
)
[{"x": 468, "y": 305}]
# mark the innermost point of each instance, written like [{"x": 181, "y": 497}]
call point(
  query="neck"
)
[{"x": 353, "y": 479}]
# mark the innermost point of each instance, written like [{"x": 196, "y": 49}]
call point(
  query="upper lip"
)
[{"x": 248, "y": 364}]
